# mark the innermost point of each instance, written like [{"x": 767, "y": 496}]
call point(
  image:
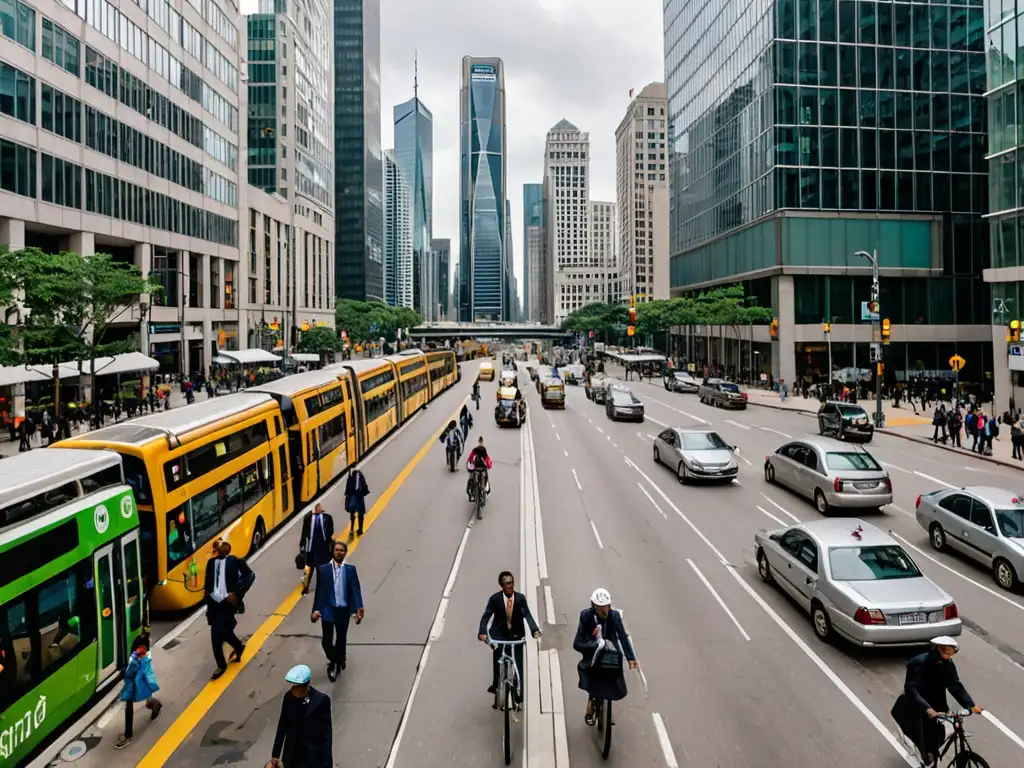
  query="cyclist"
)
[
  {"x": 452, "y": 439},
  {"x": 476, "y": 393},
  {"x": 478, "y": 461},
  {"x": 465, "y": 421},
  {"x": 929, "y": 676},
  {"x": 602, "y": 639},
  {"x": 506, "y": 611}
]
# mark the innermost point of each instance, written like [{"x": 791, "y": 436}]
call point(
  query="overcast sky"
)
[{"x": 575, "y": 59}]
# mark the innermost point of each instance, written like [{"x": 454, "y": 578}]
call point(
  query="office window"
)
[
  {"x": 18, "y": 22},
  {"x": 60, "y": 47},
  {"x": 61, "y": 114},
  {"x": 61, "y": 182},
  {"x": 17, "y": 94},
  {"x": 17, "y": 169}
]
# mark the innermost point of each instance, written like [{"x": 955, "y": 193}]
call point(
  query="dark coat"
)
[
  {"x": 238, "y": 579},
  {"x": 356, "y": 492},
  {"x": 305, "y": 732},
  {"x": 320, "y": 555},
  {"x": 323, "y": 598},
  {"x": 520, "y": 613},
  {"x": 929, "y": 676},
  {"x": 599, "y": 682}
]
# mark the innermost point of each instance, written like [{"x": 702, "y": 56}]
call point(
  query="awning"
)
[
  {"x": 19, "y": 374},
  {"x": 129, "y": 362},
  {"x": 221, "y": 360},
  {"x": 305, "y": 357},
  {"x": 247, "y": 356}
]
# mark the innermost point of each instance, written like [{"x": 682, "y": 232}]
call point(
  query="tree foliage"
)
[
  {"x": 369, "y": 320},
  {"x": 10, "y": 352},
  {"x": 319, "y": 341},
  {"x": 599, "y": 318}
]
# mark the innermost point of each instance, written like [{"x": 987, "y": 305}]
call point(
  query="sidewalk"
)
[{"x": 10, "y": 447}]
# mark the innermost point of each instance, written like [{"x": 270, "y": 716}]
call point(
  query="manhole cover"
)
[{"x": 73, "y": 751}]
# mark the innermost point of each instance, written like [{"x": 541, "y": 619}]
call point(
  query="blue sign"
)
[
  {"x": 866, "y": 315},
  {"x": 482, "y": 69},
  {"x": 1016, "y": 351}
]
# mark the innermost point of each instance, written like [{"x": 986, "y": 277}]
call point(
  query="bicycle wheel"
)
[
  {"x": 506, "y": 697},
  {"x": 606, "y": 725},
  {"x": 970, "y": 760},
  {"x": 477, "y": 500}
]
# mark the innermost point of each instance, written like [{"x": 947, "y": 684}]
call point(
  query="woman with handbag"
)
[
  {"x": 602, "y": 640},
  {"x": 140, "y": 685},
  {"x": 356, "y": 492}
]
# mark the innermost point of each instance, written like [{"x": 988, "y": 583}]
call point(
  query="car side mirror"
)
[
  {"x": 810, "y": 580},
  {"x": 734, "y": 448}
]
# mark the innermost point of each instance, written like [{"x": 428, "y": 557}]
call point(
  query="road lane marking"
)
[
  {"x": 698, "y": 419},
  {"x": 596, "y": 534},
  {"x": 651, "y": 499},
  {"x": 717, "y": 597},
  {"x": 933, "y": 479},
  {"x": 577, "y": 479},
  {"x": 893, "y": 466},
  {"x": 566, "y": 453},
  {"x": 559, "y": 439},
  {"x": 737, "y": 424},
  {"x": 549, "y": 605},
  {"x": 744, "y": 458},
  {"x": 777, "y": 432},
  {"x": 666, "y": 745},
  {"x": 955, "y": 572},
  {"x": 784, "y": 511},
  {"x": 659, "y": 423},
  {"x": 1006, "y": 731},
  {"x": 442, "y": 609},
  {"x": 793, "y": 636},
  {"x": 903, "y": 511},
  {"x": 600, "y": 430},
  {"x": 773, "y": 517},
  {"x": 203, "y": 702}
]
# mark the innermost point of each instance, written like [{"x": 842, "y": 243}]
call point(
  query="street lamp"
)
[{"x": 876, "y": 331}]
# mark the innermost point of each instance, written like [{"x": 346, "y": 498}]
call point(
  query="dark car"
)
[
  {"x": 845, "y": 421},
  {"x": 620, "y": 404},
  {"x": 681, "y": 381},
  {"x": 722, "y": 394}
]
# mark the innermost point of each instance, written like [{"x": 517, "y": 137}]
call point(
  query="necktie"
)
[{"x": 508, "y": 612}]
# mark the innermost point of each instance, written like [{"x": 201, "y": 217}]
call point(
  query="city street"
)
[{"x": 736, "y": 676}]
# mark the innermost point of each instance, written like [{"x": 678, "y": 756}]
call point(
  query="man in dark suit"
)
[
  {"x": 337, "y": 597},
  {"x": 356, "y": 491},
  {"x": 509, "y": 611},
  {"x": 227, "y": 581},
  {"x": 315, "y": 544}
]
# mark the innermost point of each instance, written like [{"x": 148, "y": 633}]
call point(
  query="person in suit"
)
[
  {"x": 337, "y": 597},
  {"x": 602, "y": 678},
  {"x": 356, "y": 492},
  {"x": 305, "y": 735},
  {"x": 506, "y": 612},
  {"x": 227, "y": 580},
  {"x": 315, "y": 544}
]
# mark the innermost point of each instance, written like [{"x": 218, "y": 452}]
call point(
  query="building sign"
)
[
  {"x": 482, "y": 69},
  {"x": 483, "y": 78},
  {"x": 1015, "y": 358},
  {"x": 158, "y": 328}
]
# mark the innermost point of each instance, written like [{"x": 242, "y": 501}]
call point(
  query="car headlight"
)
[{"x": 696, "y": 464}]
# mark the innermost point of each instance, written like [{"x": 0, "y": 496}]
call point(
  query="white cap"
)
[
  {"x": 601, "y": 597},
  {"x": 946, "y": 641}
]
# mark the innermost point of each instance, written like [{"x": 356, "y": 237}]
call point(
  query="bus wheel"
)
[{"x": 258, "y": 536}]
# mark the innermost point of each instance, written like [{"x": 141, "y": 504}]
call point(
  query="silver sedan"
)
[
  {"x": 831, "y": 473},
  {"x": 696, "y": 454},
  {"x": 986, "y": 524},
  {"x": 856, "y": 582}
]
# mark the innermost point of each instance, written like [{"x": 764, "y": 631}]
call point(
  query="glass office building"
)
[
  {"x": 533, "y": 205},
  {"x": 482, "y": 180},
  {"x": 802, "y": 131},
  {"x": 414, "y": 153},
  {"x": 359, "y": 168}
]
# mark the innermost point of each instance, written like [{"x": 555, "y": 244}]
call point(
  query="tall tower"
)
[
  {"x": 414, "y": 153},
  {"x": 398, "y": 234},
  {"x": 533, "y": 201},
  {"x": 482, "y": 189}
]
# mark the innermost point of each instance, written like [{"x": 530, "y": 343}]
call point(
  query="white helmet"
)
[
  {"x": 601, "y": 597},
  {"x": 948, "y": 642}
]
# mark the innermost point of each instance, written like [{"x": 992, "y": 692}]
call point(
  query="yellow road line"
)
[{"x": 179, "y": 730}]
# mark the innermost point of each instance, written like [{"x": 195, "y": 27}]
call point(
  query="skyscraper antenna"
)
[{"x": 416, "y": 74}]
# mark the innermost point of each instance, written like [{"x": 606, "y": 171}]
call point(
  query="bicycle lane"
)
[{"x": 721, "y": 699}]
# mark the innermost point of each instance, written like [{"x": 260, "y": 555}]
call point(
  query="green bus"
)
[{"x": 71, "y": 593}]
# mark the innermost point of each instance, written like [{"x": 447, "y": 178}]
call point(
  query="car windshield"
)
[
  {"x": 683, "y": 375},
  {"x": 1011, "y": 522},
  {"x": 852, "y": 410},
  {"x": 728, "y": 386},
  {"x": 703, "y": 441},
  {"x": 859, "y": 462},
  {"x": 880, "y": 563}
]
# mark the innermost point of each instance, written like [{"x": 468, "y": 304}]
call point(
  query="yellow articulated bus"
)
[
  {"x": 217, "y": 469},
  {"x": 376, "y": 394},
  {"x": 443, "y": 370},
  {"x": 317, "y": 409},
  {"x": 413, "y": 382}
]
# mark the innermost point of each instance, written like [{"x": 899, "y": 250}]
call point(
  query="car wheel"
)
[
  {"x": 681, "y": 473},
  {"x": 822, "y": 623},
  {"x": 763, "y": 569},
  {"x": 937, "y": 537},
  {"x": 820, "y": 502},
  {"x": 840, "y": 433},
  {"x": 1005, "y": 576},
  {"x": 657, "y": 458},
  {"x": 769, "y": 473},
  {"x": 258, "y": 536}
]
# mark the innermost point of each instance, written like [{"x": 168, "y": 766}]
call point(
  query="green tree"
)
[
  {"x": 10, "y": 346},
  {"x": 320, "y": 341},
  {"x": 600, "y": 318},
  {"x": 369, "y": 320}
]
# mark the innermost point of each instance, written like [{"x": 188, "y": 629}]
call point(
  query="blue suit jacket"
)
[{"x": 323, "y": 598}]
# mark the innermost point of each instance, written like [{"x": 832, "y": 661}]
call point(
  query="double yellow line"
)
[{"x": 179, "y": 730}]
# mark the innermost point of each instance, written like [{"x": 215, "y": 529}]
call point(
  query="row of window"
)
[
  {"x": 332, "y": 434},
  {"x": 61, "y": 114},
  {"x": 61, "y": 47},
  {"x": 366, "y": 385},
  {"x": 206, "y": 458},
  {"x": 17, "y": 94},
  {"x": 52, "y": 498},
  {"x": 61, "y": 182},
  {"x": 17, "y": 169},
  {"x": 318, "y": 403},
  {"x": 18, "y": 22},
  {"x": 411, "y": 386},
  {"x": 379, "y": 405}
]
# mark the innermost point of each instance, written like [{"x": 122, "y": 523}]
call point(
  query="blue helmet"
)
[{"x": 299, "y": 675}]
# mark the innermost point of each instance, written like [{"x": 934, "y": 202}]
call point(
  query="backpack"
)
[{"x": 971, "y": 422}]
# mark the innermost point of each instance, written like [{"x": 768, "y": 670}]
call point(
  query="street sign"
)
[
  {"x": 957, "y": 363},
  {"x": 869, "y": 312}
]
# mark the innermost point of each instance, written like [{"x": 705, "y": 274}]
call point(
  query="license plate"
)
[
  {"x": 714, "y": 471},
  {"x": 863, "y": 486},
  {"x": 913, "y": 618}
]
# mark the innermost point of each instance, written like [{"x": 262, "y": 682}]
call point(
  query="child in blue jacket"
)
[{"x": 139, "y": 685}]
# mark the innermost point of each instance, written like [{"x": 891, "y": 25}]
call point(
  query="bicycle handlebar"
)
[
  {"x": 951, "y": 716},
  {"x": 497, "y": 643}
]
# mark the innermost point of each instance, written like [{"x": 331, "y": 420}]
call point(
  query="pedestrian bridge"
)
[{"x": 437, "y": 331}]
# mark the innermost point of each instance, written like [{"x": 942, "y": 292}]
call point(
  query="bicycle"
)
[
  {"x": 453, "y": 458},
  {"x": 963, "y": 756},
  {"x": 508, "y": 691},
  {"x": 479, "y": 493},
  {"x": 603, "y": 715}
]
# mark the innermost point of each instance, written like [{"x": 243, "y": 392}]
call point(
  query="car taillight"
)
[
  {"x": 837, "y": 484},
  {"x": 743, "y": 395},
  {"x": 950, "y": 612},
  {"x": 869, "y": 616},
  {"x": 887, "y": 482},
  {"x": 917, "y": 503}
]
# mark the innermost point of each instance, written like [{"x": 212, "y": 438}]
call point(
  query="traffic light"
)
[
  {"x": 827, "y": 327},
  {"x": 1014, "y": 335},
  {"x": 632, "y": 316},
  {"x": 886, "y": 330},
  {"x": 773, "y": 329}
]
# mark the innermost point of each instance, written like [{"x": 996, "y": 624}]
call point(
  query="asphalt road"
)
[{"x": 736, "y": 676}]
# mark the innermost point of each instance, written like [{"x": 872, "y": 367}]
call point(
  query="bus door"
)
[
  {"x": 109, "y": 619},
  {"x": 134, "y": 608},
  {"x": 285, "y": 482},
  {"x": 314, "y": 454},
  {"x": 295, "y": 452},
  {"x": 360, "y": 414}
]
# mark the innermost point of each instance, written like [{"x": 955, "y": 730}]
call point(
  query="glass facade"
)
[
  {"x": 533, "y": 202},
  {"x": 482, "y": 181},
  {"x": 414, "y": 153},
  {"x": 828, "y": 105},
  {"x": 261, "y": 125},
  {"x": 359, "y": 169}
]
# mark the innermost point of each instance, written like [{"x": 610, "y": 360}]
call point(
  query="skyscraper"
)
[
  {"x": 642, "y": 193},
  {"x": 482, "y": 183},
  {"x": 509, "y": 276},
  {"x": 398, "y": 234},
  {"x": 604, "y": 247},
  {"x": 359, "y": 169},
  {"x": 414, "y": 152},
  {"x": 533, "y": 202},
  {"x": 442, "y": 250}
]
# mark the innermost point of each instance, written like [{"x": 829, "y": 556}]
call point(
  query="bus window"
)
[
  {"x": 207, "y": 458},
  {"x": 147, "y": 544},
  {"x": 62, "y": 625},
  {"x": 137, "y": 478},
  {"x": 37, "y": 505},
  {"x": 132, "y": 588},
  {"x": 332, "y": 434},
  {"x": 16, "y": 631},
  {"x": 105, "y": 478}
]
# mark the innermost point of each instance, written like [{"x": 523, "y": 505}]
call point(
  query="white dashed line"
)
[
  {"x": 566, "y": 453},
  {"x": 596, "y": 534},
  {"x": 577, "y": 479},
  {"x": 933, "y": 479},
  {"x": 737, "y": 424},
  {"x": 769, "y": 429},
  {"x": 717, "y": 597},
  {"x": 773, "y": 517},
  {"x": 557, "y": 437},
  {"x": 666, "y": 745},
  {"x": 651, "y": 499},
  {"x": 782, "y": 509},
  {"x": 893, "y": 466}
]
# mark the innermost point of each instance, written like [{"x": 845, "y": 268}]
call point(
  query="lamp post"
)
[{"x": 876, "y": 333}]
